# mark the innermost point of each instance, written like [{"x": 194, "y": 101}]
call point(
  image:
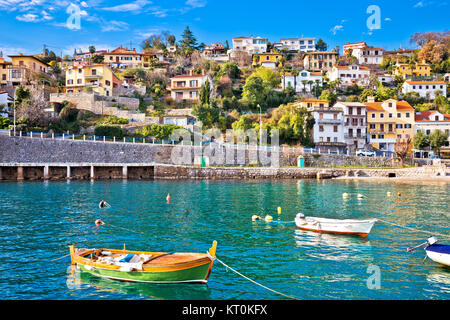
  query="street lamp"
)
[
  {"x": 260, "y": 125},
  {"x": 14, "y": 106}
]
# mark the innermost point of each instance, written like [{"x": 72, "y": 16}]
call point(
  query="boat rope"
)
[
  {"x": 21, "y": 264},
  {"x": 417, "y": 230},
  {"x": 247, "y": 278}
]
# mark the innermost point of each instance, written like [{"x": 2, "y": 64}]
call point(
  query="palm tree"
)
[
  {"x": 317, "y": 88},
  {"x": 310, "y": 82},
  {"x": 338, "y": 82},
  {"x": 295, "y": 73},
  {"x": 304, "y": 85}
]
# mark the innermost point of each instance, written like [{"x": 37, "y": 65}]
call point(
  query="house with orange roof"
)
[
  {"x": 349, "y": 75},
  {"x": 426, "y": 89},
  {"x": 98, "y": 78},
  {"x": 430, "y": 120},
  {"x": 389, "y": 121},
  {"x": 122, "y": 58},
  {"x": 24, "y": 69},
  {"x": 354, "y": 47},
  {"x": 303, "y": 82}
]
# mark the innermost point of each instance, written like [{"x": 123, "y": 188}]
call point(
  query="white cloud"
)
[
  {"x": 419, "y": 4},
  {"x": 114, "y": 25},
  {"x": 196, "y": 3},
  {"x": 133, "y": 6},
  {"x": 387, "y": 19},
  {"x": 29, "y": 17},
  {"x": 336, "y": 28}
]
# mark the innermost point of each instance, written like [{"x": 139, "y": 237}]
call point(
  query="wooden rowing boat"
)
[
  {"x": 350, "y": 227},
  {"x": 150, "y": 267}
]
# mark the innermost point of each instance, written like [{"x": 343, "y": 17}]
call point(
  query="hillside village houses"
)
[
  {"x": 353, "y": 74},
  {"x": 343, "y": 126},
  {"x": 296, "y": 44},
  {"x": 303, "y": 82},
  {"x": 426, "y": 89},
  {"x": 5, "y": 101}
]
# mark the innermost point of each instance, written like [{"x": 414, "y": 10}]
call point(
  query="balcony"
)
[
  {"x": 93, "y": 76},
  {"x": 361, "y": 136},
  {"x": 329, "y": 121}
]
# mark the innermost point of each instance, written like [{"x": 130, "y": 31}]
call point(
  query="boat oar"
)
[{"x": 429, "y": 242}]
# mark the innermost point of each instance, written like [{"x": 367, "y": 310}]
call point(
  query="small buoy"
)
[
  {"x": 399, "y": 194},
  {"x": 360, "y": 196},
  {"x": 255, "y": 217},
  {"x": 269, "y": 218},
  {"x": 389, "y": 194},
  {"x": 345, "y": 195},
  {"x": 168, "y": 198},
  {"x": 279, "y": 210},
  {"x": 99, "y": 222}
]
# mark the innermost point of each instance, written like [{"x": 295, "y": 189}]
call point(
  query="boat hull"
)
[
  {"x": 439, "y": 254},
  {"x": 346, "y": 227},
  {"x": 193, "y": 275},
  {"x": 155, "y": 267}
]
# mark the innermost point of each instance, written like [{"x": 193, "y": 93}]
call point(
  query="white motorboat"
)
[{"x": 349, "y": 226}]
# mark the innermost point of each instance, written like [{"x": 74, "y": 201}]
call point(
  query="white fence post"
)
[
  {"x": 31, "y": 134},
  {"x": 53, "y": 136},
  {"x": 63, "y": 136}
]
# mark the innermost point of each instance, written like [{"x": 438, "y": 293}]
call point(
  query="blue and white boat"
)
[{"x": 437, "y": 252}]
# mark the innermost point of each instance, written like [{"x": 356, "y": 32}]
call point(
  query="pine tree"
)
[
  {"x": 205, "y": 93},
  {"x": 188, "y": 42}
]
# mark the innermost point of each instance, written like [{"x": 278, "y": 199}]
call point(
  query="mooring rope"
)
[
  {"x": 417, "y": 230},
  {"x": 22, "y": 264},
  {"x": 247, "y": 278}
]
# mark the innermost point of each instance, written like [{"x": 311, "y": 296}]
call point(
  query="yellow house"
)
[
  {"x": 268, "y": 60},
  {"x": 388, "y": 122},
  {"x": 96, "y": 77},
  {"x": 420, "y": 69},
  {"x": 24, "y": 69},
  {"x": 4, "y": 69}
]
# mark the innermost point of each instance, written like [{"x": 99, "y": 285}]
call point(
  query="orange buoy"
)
[
  {"x": 99, "y": 222},
  {"x": 168, "y": 198}
]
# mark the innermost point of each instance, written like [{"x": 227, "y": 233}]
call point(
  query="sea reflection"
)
[{"x": 334, "y": 247}]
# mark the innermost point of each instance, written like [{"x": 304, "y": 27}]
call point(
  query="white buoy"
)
[
  {"x": 360, "y": 196},
  {"x": 255, "y": 217},
  {"x": 268, "y": 218},
  {"x": 389, "y": 194}
]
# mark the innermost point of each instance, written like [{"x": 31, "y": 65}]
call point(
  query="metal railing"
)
[{"x": 204, "y": 142}]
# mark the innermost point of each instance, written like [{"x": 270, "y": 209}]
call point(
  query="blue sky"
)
[{"x": 29, "y": 24}]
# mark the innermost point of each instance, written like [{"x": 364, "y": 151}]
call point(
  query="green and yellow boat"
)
[{"x": 150, "y": 267}]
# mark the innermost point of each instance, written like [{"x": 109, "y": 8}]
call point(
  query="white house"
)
[
  {"x": 355, "y": 126},
  {"x": 5, "y": 100},
  {"x": 370, "y": 55},
  {"x": 328, "y": 131},
  {"x": 297, "y": 44},
  {"x": 386, "y": 78},
  {"x": 250, "y": 45},
  {"x": 351, "y": 74},
  {"x": 302, "y": 81},
  {"x": 425, "y": 89},
  {"x": 428, "y": 121}
]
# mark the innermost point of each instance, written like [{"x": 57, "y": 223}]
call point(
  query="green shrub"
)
[
  {"x": 109, "y": 131},
  {"x": 114, "y": 120},
  {"x": 5, "y": 123}
]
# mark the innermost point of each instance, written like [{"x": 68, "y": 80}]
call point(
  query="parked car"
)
[{"x": 365, "y": 153}]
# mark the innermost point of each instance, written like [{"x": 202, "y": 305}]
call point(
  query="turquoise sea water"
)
[{"x": 38, "y": 221}]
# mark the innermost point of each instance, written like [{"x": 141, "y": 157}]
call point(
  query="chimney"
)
[{"x": 370, "y": 99}]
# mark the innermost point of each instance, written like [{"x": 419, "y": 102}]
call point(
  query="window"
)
[
  {"x": 374, "y": 136},
  {"x": 407, "y": 126},
  {"x": 108, "y": 83},
  {"x": 321, "y": 129},
  {"x": 373, "y": 115},
  {"x": 407, "y": 114},
  {"x": 381, "y": 115},
  {"x": 399, "y": 115},
  {"x": 381, "y": 136},
  {"x": 335, "y": 116},
  {"x": 80, "y": 70},
  {"x": 399, "y": 126},
  {"x": 335, "y": 139},
  {"x": 390, "y": 115},
  {"x": 335, "y": 128},
  {"x": 79, "y": 81}
]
